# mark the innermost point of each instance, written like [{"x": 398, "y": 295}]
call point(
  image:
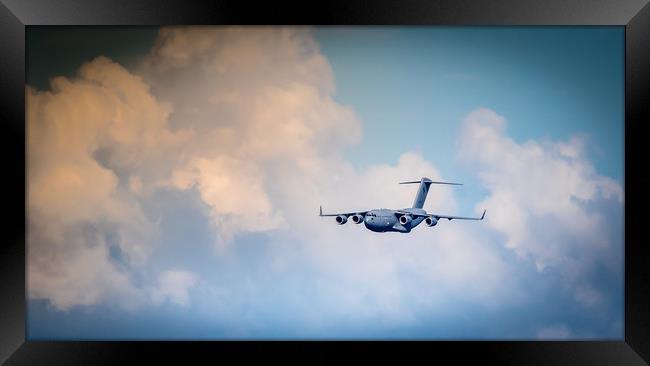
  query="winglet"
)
[
  {"x": 321, "y": 211},
  {"x": 482, "y": 216}
]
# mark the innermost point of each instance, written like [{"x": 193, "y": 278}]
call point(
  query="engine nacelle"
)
[
  {"x": 341, "y": 219},
  {"x": 357, "y": 219},
  {"x": 405, "y": 219},
  {"x": 431, "y": 221}
]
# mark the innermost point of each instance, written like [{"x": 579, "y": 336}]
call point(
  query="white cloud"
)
[
  {"x": 368, "y": 275},
  {"x": 234, "y": 190},
  {"x": 261, "y": 103},
  {"x": 72, "y": 273},
  {"x": 235, "y": 110},
  {"x": 540, "y": 199},
  {"x": 174, "y": 286},
  {"x": 77, "y": 205}
]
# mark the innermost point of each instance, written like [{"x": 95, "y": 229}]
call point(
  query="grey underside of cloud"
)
[{"x": 244, "y": 120}]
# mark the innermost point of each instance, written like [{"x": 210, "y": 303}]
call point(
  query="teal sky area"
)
[{"x": 548, "y": 82}]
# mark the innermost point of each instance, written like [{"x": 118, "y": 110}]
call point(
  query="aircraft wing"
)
[
  {"x": 448, "y": 217},
  {"x": 343, "y": 213}
]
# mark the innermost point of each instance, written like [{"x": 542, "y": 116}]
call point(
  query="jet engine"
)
[
  {"x": 405, "y": 219},
  {"x": 357, "y": 219},
  {"x": 341, "y": 219},
  {"x": 431, "y": 221}
]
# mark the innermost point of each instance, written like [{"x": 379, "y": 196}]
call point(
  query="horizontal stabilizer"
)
[{"x": 431, "y": 182}]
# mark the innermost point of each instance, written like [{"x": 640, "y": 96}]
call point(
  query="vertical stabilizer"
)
[{"x": 421, "y": 196}]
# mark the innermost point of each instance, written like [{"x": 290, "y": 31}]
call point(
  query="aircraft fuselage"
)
[{"x": 383, "y": 220}]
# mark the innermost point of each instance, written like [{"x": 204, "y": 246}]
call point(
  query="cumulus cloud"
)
[
  {"x": 225, "y": 111},
  {"x": 85, "y": 136},
  {"x": 384, "y": 268},
  {"x": 547, "y": 200},
  {"x": 261, "y": 103}
]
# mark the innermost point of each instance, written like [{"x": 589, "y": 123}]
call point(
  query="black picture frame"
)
[{"x": 16, "y": 15}]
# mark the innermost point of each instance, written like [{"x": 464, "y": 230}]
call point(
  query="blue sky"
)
[
  {"x": 205, "y": 230},
  {"x": 550, "y": 82}
]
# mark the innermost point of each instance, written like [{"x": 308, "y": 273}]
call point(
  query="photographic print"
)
[{"x": 217, "y": 182}]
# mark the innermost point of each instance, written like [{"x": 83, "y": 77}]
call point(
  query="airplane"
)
[{"x": 402, "y": 221}]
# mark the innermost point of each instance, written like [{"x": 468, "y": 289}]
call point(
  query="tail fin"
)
[{"x": 424, "y": 189}]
